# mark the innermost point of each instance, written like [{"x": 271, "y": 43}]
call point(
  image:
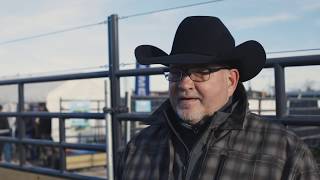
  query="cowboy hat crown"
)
[{"x": 206, "y": 40}]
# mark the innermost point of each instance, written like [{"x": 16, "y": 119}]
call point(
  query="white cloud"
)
[
  {"x": 48, "y": 18},
  {"x": 72, "y": 50},
  {"x": 314, "y": 6},
  {"x": 258, "y": 21},
  {"x": 157, "y": 30},
  {"x": 308, "y": 75}
]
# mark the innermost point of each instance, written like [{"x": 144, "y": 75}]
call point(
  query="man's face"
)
[{"x": 192, "y": 101}]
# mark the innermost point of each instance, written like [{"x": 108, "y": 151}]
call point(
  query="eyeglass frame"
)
[{"x": 185, "y": 71}]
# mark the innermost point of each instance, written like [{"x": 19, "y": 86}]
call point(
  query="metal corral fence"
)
[{"x": 117, "y": 111}]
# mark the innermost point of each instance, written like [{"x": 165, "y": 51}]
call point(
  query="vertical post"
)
[
  {"x": 115, "y": 84},
  {"x": 62, "y": 139},
  {"x": 110, "y": 156},
  {"x": 128, "y": 123},
  {"x": 259, "y": 105},
  {"x": 110, "y": 167},
  {"x": 60, "y": 104},
  {"x": 21, "y": 125},
  {"x": 280, "y": 91}
]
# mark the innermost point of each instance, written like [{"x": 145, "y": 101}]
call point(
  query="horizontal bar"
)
[
  {"x": 96, "y": 147},
  {"x": 40, "y": 142},
  {"x": 283, "y": 61},
  {"x": 310, "y": 120},
  {"x": 145, "y": 117},
  {"x": 294, "y": 61},
  {"x": 64, "y": 77},
  {"x": 297, "y": 120},
  {"x": 137, "y": 97},
  {"x": 85, "y": 136},
  {"x": 304, "y": 108},
  {"x": 134, "y": 116},
  {"x": 263, "y": 110},
  {"x": 54, "y": 115},
  {"x": 144, "y": 71},
  {"x": 50, "y": 172}
]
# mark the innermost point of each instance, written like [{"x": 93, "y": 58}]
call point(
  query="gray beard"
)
[{"x": 192, "y": 117}]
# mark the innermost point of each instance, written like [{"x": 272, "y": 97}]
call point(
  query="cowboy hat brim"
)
[{"x": 248, "y": 57}]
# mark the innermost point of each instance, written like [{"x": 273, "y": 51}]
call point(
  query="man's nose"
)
[{"x": 185, "y": 82}]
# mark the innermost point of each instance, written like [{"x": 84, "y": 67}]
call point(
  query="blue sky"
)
[{"x": 278, "y": 25}]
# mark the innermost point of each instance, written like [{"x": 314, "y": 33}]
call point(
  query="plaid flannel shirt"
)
[{"x": 238, "y": 146}]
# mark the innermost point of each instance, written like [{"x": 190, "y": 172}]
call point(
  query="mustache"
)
[{"x": 188, "y": 95}]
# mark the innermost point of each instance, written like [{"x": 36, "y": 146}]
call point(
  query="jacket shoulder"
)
[
  {"x": 255, "y": 122},
  {"x": 273, "y": 138},
  {"x": 279, "y": 141}
]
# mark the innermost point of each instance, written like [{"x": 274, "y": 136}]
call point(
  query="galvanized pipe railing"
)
[{"x": 115, "y": 93}]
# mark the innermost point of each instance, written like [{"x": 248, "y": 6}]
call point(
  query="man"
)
[
  {"x": 205, "y": 130},
  {"x": 44, "y": 124},
  {"x": 5, "y": 131},
  {"x": 46, "y": 155}
]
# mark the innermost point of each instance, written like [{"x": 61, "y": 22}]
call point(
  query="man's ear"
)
[{"x": 233, "y": 79}]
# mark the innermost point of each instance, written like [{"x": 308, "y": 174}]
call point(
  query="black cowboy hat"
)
[{"x": 206, "y": 40}]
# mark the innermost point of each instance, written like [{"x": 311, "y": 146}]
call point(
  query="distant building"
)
[{"x": 304, "y": 102}]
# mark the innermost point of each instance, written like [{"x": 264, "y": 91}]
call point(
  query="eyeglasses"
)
[{"x": 197, "y": 74}]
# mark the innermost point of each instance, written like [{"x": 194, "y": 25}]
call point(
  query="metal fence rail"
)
[{"x": 116, "y": 112}]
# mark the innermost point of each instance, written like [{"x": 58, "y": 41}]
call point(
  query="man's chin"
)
[{"x": 189, "y": 117}]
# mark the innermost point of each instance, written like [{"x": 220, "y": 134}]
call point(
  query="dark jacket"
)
[
  {"x": 236, "y": 145},
  {"x": 44, "y": 128},
  {"x": 4, "y": 127}
]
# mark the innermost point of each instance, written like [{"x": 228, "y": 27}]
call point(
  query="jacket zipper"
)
[
  {"x": 206, "y": 149},
  {"x": 223, "y": 158},
  {"x": 210, "y": 138},
  {"x": 185, "y": 168}
]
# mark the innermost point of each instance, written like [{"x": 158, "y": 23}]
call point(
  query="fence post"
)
[
  {"x": 280, "y": 91},
  {"x": 128, "y": 123},
  {"x": 62, "y": 139},
  {"x": 114, "y": 85},
  {"x": 21, "y": 125}
]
